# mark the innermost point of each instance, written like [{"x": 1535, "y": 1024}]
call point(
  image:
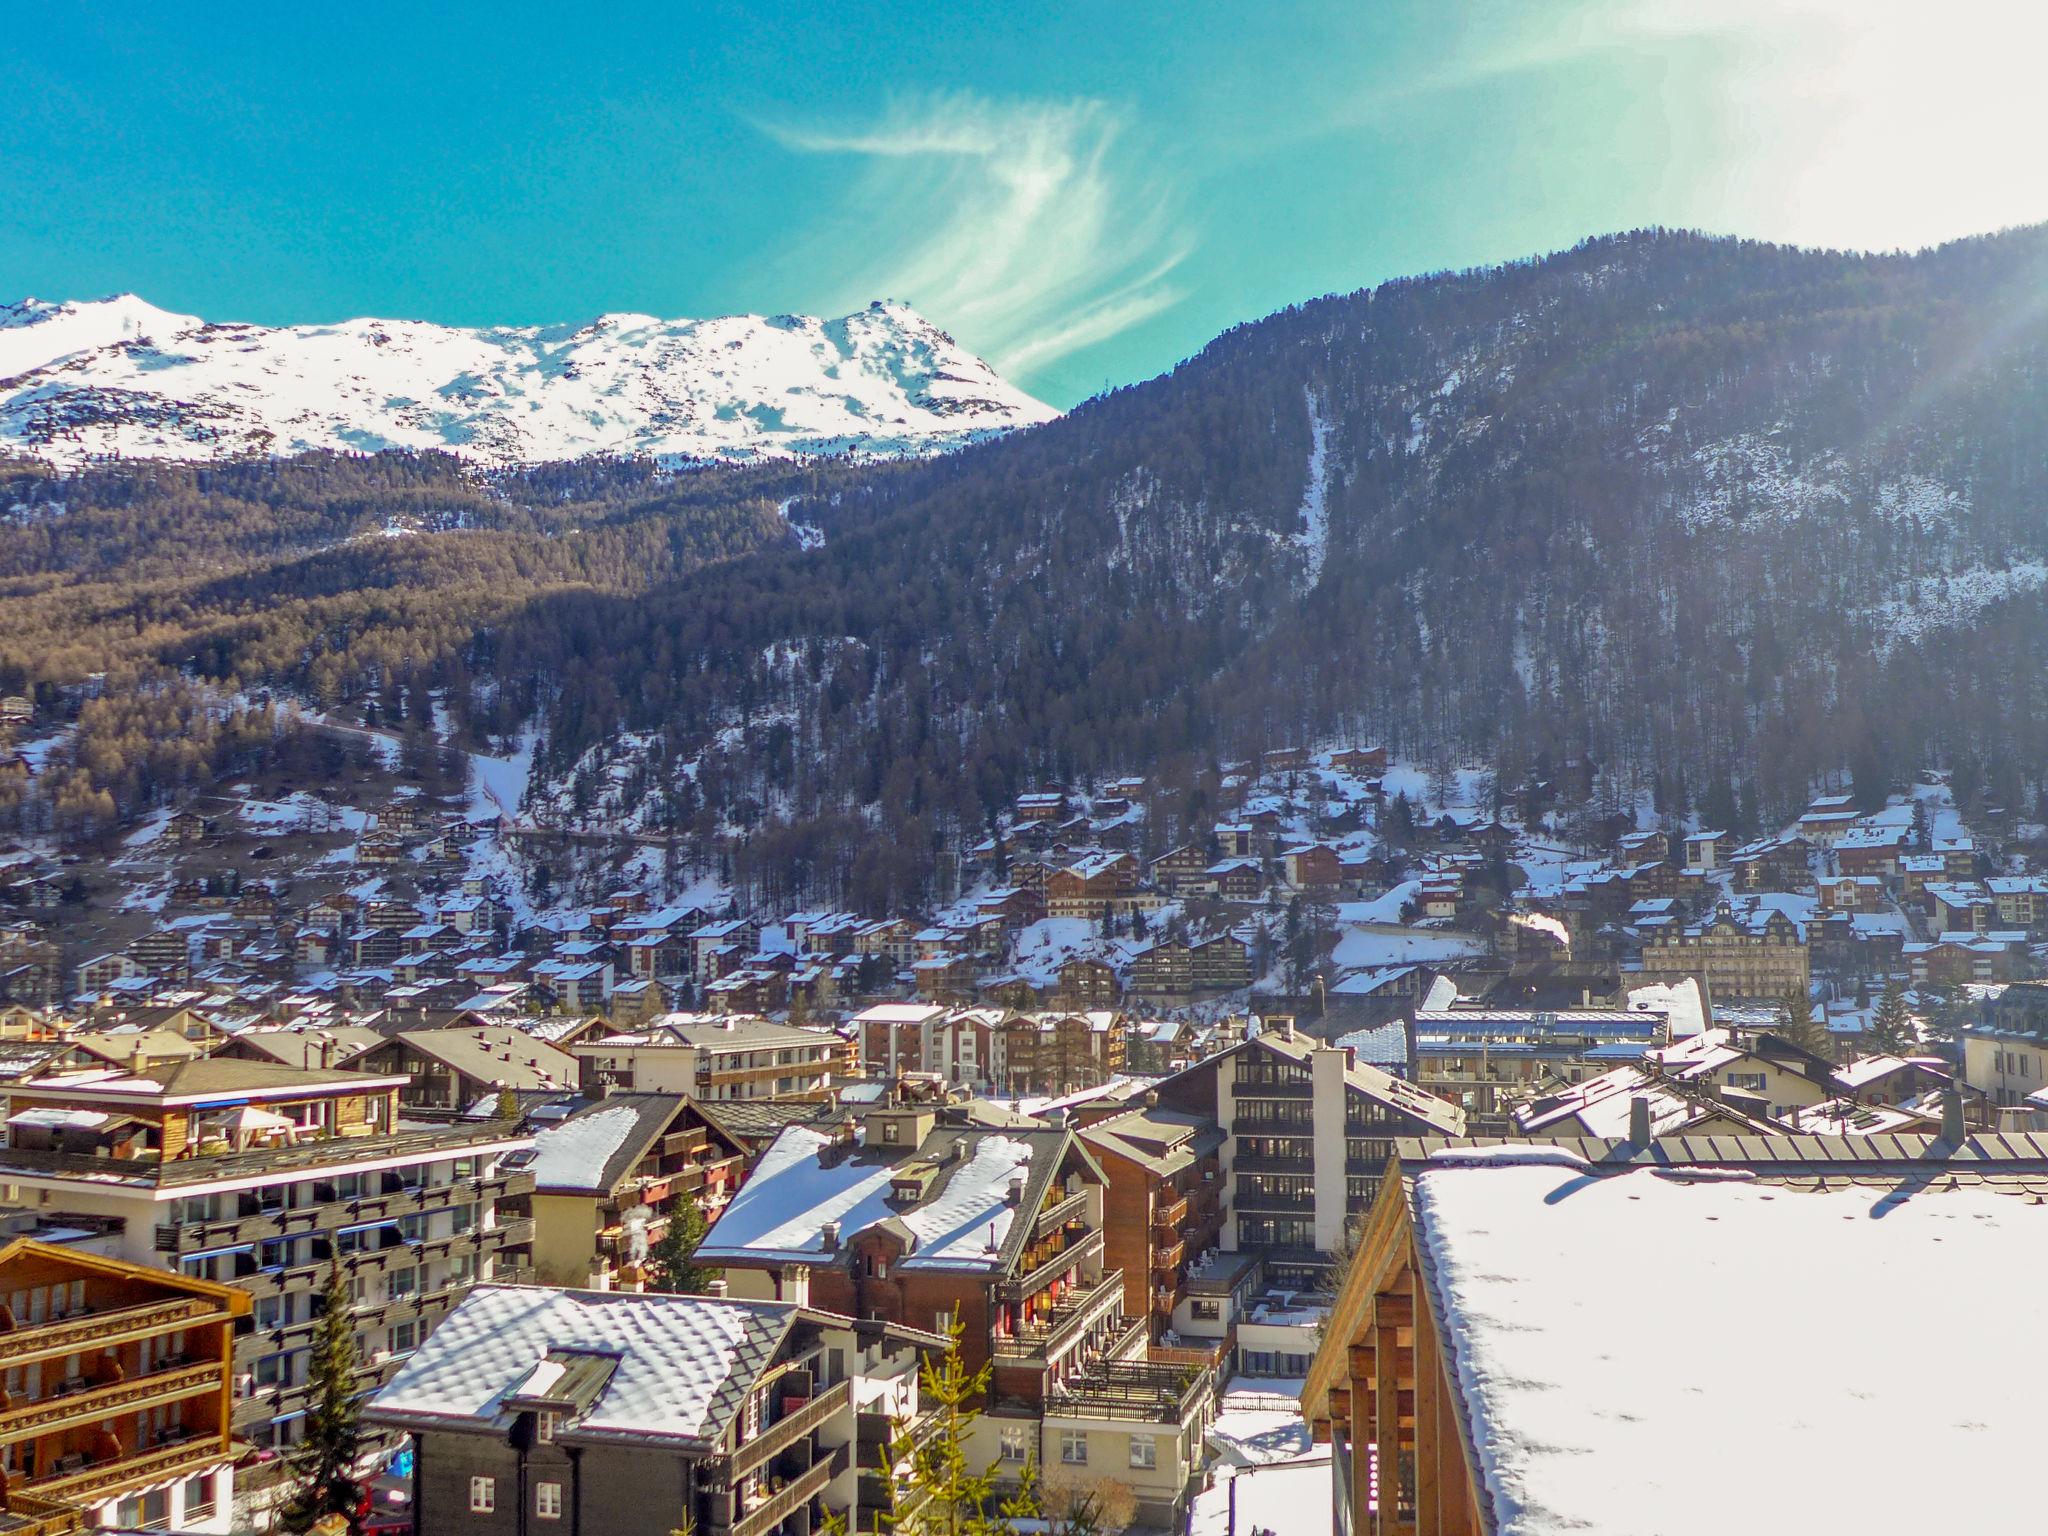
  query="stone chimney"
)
[{"x": 828, "y": 1237}]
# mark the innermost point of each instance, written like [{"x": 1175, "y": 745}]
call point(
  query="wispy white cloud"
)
[{"x": 1031, "y": 229}]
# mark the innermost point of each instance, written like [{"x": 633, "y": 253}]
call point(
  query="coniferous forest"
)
[{"x": 1724, "y": 517}]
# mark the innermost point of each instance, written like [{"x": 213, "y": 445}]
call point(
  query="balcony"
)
[
  {"x": 770, "y": 1511},
  {"x": 1170, "y": 1211},
  {"x": 1065, "y": 1326},
  {"x": 102, "y": 1480},
  {"x": 97, "y": 1403},
  {"x": 789, "y": 1429},
  {"x": 1167, "y": 1257},
  {"x": 1273, "y": 1088},
  {"x": 1132, "y": 1389},
  {"x": 41, "y": 1341},
  {"x": 1030, "y": 1282},
  {"x": 1286, "y": 1162},
  {"x": 1058, "y": 1214},
  {"x": 310, "y": 1157},
  {"x": 1249, "y": 1202}
]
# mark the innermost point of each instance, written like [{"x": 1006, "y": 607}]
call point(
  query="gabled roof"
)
[
  {"x": 681, "y": 1366},
  {"x": 592, "y": 1150},
  {"x": 963, "y": 1218}
]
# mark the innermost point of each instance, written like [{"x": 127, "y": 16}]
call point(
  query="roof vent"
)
[{"x": 1151, "y": 1099}]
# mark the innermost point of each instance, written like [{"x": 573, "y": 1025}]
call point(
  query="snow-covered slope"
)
[{"x": 122, "y": 376}]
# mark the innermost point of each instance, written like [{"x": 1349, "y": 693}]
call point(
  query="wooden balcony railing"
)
[
  {"x": 789, "y": 1429},
  {"x": 1073, "y": 1208},
  {"x": 778, "y": 1507},
  {"x": 91, "y": 1485},
  {"x": 98, "y": 1403},
  {"x": 1042, "y": 1274},
  {"x": 40, "y": 1341}
]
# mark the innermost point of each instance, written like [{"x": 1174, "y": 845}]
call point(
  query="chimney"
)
[
  {"x": 715, "y": 1288},
  {"x": 794, "y": 1285},
  {"x": 1953, "y": 1130},
  {"x": 1016, "y": 1195},
  {"x": 1151, "y": 1099},
  {"x": 828, "y": 1236},
  {"x": 959, "y": 1149},
  {"x": 1639, "y": 1120}
]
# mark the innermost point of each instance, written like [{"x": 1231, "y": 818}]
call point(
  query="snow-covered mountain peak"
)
[{"x": 120, "y": 376}]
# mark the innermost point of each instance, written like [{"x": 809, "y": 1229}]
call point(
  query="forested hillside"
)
[{"x": 1723, "y": 516}]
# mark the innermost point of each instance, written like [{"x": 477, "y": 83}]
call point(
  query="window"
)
[
  {"x": 1013, "y": 1444},
  {"x": 1207, "y": 1311},
  {"x": 483, "y": 1495},
  {"x": 405, "y": 1338},
  {"x": 888, "y": 1130},
  {"x": 1145, "y": 1451},
  {"x": 544, "y": 1427},
  {"x": 547, "y": 1501},
  {"x": 1074, "y": 1447}
]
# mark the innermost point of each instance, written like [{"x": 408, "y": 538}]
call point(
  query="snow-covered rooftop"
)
[{"x": 1615, "y": 1336}]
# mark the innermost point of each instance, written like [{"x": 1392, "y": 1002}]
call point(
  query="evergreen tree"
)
[
  {"x": 326, "y": 1459},
  {"x": 1800, "y": 1026},
  {"x": 673, "y": 1260},
  {"x": 941, "y": 1492},
  {"x": 1891, "y": 1025}
]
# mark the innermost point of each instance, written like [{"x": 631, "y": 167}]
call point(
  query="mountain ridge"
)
[{"x": 121, "y": 377}]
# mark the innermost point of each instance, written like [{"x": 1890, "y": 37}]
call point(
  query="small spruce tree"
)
[
  {"x": 1891, "y": 1025},
  {"x": 673, "y": 1260},
  {"x": 326, "y": 1459},
  {"x": 1800, "y": 1026}
]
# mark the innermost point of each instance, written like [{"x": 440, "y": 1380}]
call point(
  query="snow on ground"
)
[
  {"x": 1551, "y": 1282},
  {"x": 150, "y": 829},
  {"x": 807, "y": 536},
  {"x": 1951, "y": 601},
  {"x": 497, "y": 785},
  {"x": 1364, "y": 945},
  {"x": 1381, "y": 909},
  {"x": 1259, "y": 1420},
  {"x": 1314, "y": 538},
  {"x": 1288, "y": 1498}
]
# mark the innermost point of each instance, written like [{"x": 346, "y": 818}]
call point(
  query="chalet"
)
[
  {"x": 1041, "y": 805},
  {"x": 188, "y": 827},
  {"x": 1361, "y": 760},
  {"x": 1851, "y": 893},
  {"x": 916, "y": 1217},
  {"x": 1236, "y": 879},
  {"x": 1234, "y": 839},
  {"x": 1180, "y": 868},
  {"x": 1104, "y": 883},
  {"x": 605, "y": 1413},
  {"x": 1773, "y": 864},
  {"x": 1917, "y": 871},
  {"x": 457, "y": 1068},
  {"x": 1312, "y": 866},
  {"x": 1871, "y": 851},
  {"x": 1703, "y": 850},
  {"x": 609, "y": 1178}
]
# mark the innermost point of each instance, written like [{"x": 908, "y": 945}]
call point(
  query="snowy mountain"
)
[{"x": 120, "y": 376}]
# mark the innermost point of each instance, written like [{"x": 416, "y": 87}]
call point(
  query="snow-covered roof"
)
[
  {"x": 1535, "y": 1273},
  {"x": 961, "y": 1222},
  {"x": 683, "y": 1363}
]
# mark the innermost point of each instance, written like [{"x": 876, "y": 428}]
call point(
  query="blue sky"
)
[{"x": 1086, "y": 193}]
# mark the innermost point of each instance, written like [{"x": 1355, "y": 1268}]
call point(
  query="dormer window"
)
[{"x": 544, "y": 1427}]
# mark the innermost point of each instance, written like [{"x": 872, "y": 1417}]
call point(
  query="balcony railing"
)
[
  {"x": 789, "y": 1429},
  {"x": 96, "y": 1403},
  {"x": 1066, "y": 1325},
  {"x": 1073, "y": 1208},
  {"x": 1170, "y": 1212},
  {"x": 1029, "y": 1283},
  {"x": 92, "y": 1484},
  {"x": 1131, "y": 1389},
  {"x": 778, "y": 1507},
  {"x": 307, "y": 1156},
  {"x": 37, "y": 1341}
]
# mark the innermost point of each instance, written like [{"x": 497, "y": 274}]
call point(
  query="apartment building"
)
[
  {"x": 1488, "y": 1060},
  {"x": 609, "y": 1179},
  {"x": 1310, "y": 1131},
  {"x": 116, "y": 1407},
  {"x": 263, "y": 1176},
  {"x": 915, "y": 1215},
  {"x": 601, "y": 1413},
  {"x": 1162, "y": 1200},
  {"x": 729, "y": 1056}
]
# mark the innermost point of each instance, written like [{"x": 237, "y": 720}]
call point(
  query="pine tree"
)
[
  {"x": 1891, "y": 1024},
  {"x": 326, "y": 1458},
  {"x": 673, "y": 1260},
  {"x": 1800, "y": 1027},
  {"x": 940, "y": 1493}
]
